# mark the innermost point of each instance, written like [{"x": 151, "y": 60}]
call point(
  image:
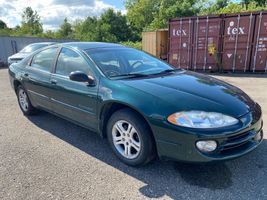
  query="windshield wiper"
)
[
  {"x": 136, "y": 75},
  {"x": 130, "y": 75},
  {"x": 166, "y": 71}
]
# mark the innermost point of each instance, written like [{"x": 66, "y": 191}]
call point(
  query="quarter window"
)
[
  {"x": 44, "y": 59},
  {"x": 69, "y": 61}
]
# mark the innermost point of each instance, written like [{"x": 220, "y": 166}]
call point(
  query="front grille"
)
[
  {"x": 237, "y": 137},
  {"x": 238, "y": 142},
  {"x": 15, "y": 59},
  {"x": 236, "y": 148}
]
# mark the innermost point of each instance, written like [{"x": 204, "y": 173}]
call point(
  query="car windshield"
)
[
  {"x": 32, "y": 47},
  {"x": 118, "y": 62}
]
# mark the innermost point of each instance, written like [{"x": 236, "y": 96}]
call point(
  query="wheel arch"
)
[
  {"x": 112, "y": 106},
  {"x": 16, "y": 83}
]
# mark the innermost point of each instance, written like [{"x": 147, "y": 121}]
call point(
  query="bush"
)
[{"x": 136, "y": 45}]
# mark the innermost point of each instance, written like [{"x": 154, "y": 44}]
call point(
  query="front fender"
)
[{"x": 144, "y": 103}]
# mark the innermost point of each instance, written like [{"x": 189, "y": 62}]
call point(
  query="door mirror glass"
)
[{"x": 82, "y": 77}]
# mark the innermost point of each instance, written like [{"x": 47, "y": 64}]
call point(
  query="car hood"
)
[
  {"x": 19, "y": 56},
  {"x": 192, "y": 91}
]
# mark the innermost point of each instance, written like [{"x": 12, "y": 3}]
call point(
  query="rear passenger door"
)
[
  {"x": 36, "y": 78},
  {"x": 74, "y": 100}
]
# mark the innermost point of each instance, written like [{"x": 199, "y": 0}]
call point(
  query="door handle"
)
[
  {"x": 26, "y": 74},
  {"x": 53, "y": 81}
]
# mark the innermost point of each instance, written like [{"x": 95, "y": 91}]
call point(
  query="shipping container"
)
[
  {"x": 259, "y": 53},
  {"x": 229, "y": 42},
  {"x": 156, "y": 43},
  {"x": 180, "y": 42},
  {"x": 206, "y": 43},
  {"x": 237, "y": 41},
  {"x": 194, "y": 43}
]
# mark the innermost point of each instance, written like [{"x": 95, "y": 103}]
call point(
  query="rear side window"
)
[
  {"x": 44, "y": 59},
  {"x": 69, "y": 61}
]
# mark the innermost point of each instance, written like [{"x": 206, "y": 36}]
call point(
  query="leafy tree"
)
[
  {"x": 221, "y": 3},
  {"x": 154, "y": 14},
  {"x": 86, "y": 30},
  {"x": 2, "y": 24},
  {"x": 104, "y": 34},
  {"x": 140, "y": 13},
  {"x": 49, "y": 34},
  {"x": 213, "y": 7},
  {"x": 65, "y": 30},
  {"x": 111, "y": 26},
  {"x": 31, "y": 23},
  {"x": 261, "y": 2},
  {"x": 237, "y": 8},
  {"x": 116, "y": 25},
  {"x": 246, "y": 2},
  {"x": 170, "y": 9}
]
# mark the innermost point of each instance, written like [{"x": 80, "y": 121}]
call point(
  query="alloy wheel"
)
[
  {"x": 23, "y": 100},
  {"x": 126, "y": 139}
]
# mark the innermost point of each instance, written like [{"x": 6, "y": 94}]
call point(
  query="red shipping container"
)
[
  {"x": 237, "y": 41},
  {"x": 194, "y": 43},
  {"x": 259, "y": 53},
  {"x": 206, "y": 45},
  {"x": 180, "y": 42}
]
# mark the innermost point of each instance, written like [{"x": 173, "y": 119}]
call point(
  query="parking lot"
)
[{"x": 45, "y": 157}]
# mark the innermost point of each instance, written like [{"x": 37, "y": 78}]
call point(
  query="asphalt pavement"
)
[{"x": 45, "y": 157}]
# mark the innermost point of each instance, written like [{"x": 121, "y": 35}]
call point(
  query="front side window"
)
[
  {"x": 44, "y": 59},
  {"x": 70, "y": 61}
]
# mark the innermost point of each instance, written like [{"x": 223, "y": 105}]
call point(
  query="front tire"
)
[
  {"x": 24, "y": 102},
  {"x": 130, "y": 138}
]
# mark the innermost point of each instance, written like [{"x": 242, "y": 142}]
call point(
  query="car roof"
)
[
  {"x": 47, "y": 43},
  {"x": 91, "y": 45}
]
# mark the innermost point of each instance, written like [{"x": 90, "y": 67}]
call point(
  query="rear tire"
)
[
  {"x": 24, "y": 101},
  {"x": 130, "y": 138}
]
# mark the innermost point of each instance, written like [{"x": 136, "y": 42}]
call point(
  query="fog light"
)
[
  {"x": 206, "y": 146},
  {"x": 258, "y": 137}
]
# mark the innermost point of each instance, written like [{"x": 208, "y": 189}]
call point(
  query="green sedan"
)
[{"x": 143, "y": 106}]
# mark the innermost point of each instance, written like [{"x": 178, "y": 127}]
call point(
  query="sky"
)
[{"x": 53, "y": 12}]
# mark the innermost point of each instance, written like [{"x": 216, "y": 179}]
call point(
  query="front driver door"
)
[{"x": 74, "y": 100}]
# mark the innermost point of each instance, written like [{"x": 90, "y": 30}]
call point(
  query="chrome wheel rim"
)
[
  {"x": 23, "y": 100},
  {"x": 126, "y": 139}
]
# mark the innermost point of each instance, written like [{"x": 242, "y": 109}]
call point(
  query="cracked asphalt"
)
[{"x": 45, "y": 157}]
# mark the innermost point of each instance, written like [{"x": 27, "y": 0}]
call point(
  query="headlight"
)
[{"x": 201, "y": 119}]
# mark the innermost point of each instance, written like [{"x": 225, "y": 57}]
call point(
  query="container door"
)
[
  {"x": 206, "y": 48},
  {"x": 237, "y": 44},
  {"x": 162, "y": 44},
  {"x": 180, "y": 43},
  {"x": 149, "y": 42},
  {"x": 259, "y": 55}
]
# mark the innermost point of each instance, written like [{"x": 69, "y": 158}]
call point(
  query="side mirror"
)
[{"x": 82, "y": 77}]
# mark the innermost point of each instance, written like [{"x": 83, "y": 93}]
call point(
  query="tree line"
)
[{"x": 142, "y": 15}]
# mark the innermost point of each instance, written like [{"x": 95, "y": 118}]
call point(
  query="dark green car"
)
[{"x": 142, "y": 105}]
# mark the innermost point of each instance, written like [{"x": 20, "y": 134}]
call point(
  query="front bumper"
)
[{"x": 179, "y": 144}]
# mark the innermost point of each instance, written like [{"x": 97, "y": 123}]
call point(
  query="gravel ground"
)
[{"x": 45, "y": 157}]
